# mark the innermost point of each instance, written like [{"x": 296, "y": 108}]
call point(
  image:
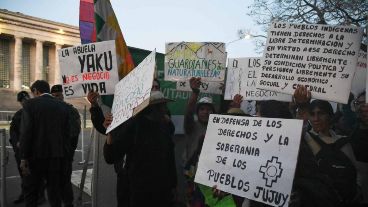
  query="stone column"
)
[
  {"x": 39, "y": 60},
  {"x": 17, "y": 64},
  {"x": 57, "y": 77}
]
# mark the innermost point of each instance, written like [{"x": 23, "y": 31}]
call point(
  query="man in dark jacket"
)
[
  {"x": 75, "y": 128},
  {"x": 22, "y": 97},
  {"x": 44, "y": 139}
]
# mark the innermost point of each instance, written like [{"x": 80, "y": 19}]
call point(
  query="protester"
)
[
  {"x": 345, "y": 118},
  {"x": 97, "y": 115},
  {"x": 100, "y": 122},
  {"x": 360, "y": 138},
  {"x": 359, "y": 142},
  {"x": 150, "y": 162},
  {"x": 320, "y": 152},
  {"x": 14, "y": 131},
  {"x": 75, "y": 128},
  {"x": 43, "y": 138},
  {"x": 195, "y": 129},
  {"x": 200, "y": 195}
]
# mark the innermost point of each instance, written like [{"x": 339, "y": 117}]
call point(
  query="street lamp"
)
[{"x": 244, "y": 34}]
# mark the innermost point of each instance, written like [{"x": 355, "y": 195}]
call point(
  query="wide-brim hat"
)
[{"x": 158, "y": 97}]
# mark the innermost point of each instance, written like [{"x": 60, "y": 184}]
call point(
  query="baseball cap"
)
[{"x": 205, "y": 100}]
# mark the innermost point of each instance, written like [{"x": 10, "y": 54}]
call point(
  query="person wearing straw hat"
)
[{"x": 146, "y": 141}]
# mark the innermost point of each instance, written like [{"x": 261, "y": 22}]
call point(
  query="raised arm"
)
[
  {"x": 190, "y": 110},
  {"x": 302, "y": 99}
]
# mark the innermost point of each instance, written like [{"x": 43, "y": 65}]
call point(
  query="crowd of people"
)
[
  {"x": 44, "y": 135},
  {"x": 331, "y": 168},
  {"x": 332, "y": 165}
]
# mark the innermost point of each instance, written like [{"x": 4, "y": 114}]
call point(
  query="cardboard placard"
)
[
  {"x": 89, "y": 67},
  {"x": 321, "y": 57},
  {"x": 250, "y": 157}
]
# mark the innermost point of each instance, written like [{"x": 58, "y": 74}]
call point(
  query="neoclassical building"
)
[{"x": 28, "y": 49}]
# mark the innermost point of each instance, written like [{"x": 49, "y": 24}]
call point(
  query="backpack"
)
[{"x": 338, "y": 169}]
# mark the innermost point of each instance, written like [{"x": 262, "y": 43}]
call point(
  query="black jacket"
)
[
  {"x": 45, "y": 128},
  {"x": 15, "y": 128},
  {"x": 97, "y": 118},
  {"x": 150, "y": 158}
]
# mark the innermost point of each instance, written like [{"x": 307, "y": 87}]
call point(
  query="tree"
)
[{"x": 331, "y": 12}]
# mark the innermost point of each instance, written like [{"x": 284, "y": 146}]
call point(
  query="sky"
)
[{"x": 149, "y": 24}]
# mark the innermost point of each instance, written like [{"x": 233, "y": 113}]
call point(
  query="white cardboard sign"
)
[
  {"x": 321, "y": 57},
  {"x": 250, "y": 157},
  {"x": 241, "y": 79},
  {"x": 132, "y": 93},
  {"x": 359, "y": 81},
  {"x": 88, "y": 67},
  {"x": 184, "y": 60}
]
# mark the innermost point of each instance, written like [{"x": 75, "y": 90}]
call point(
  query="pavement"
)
[
  {"x": 13, "y": 179},
  {"x": 104, "y": 192}
]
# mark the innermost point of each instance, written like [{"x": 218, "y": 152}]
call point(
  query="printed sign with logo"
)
[
  {"x": 89, "y": 67},
  {"x": 250, "y": 157}
]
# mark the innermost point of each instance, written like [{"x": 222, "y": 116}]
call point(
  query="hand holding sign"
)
[
  {"x": 195, "y": 83},
  {"x": 302, "y": 95},
  {"x": 237, "y": 100},
  {"x": 92, "y": 98}
]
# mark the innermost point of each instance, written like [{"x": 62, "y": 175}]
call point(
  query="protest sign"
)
[
  {"x": 250, "y": 157},
  {"x": 205, "y": 87},
  {"x": 184, "y": 60},
  {"x": 241, "y": 79},
  {"x": 321, "y": 57},
  {"x": 132, "y": 93},
  {"x": 359, "y": 81},
  {"x": 88, "y": 67}
]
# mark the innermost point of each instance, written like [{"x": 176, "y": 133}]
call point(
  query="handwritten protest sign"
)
[
  {"x": 89, "y": 67},
  {"x": 250, "y": 157},
  {"x": 133, "y": 92},
  {"x": 205, "y": 87},
  {"x": 321, "y": 57},
  {"x": 359, "y": 81},
  {"x": 184, "y": 60},
  {"x": 242, "y": 77}
]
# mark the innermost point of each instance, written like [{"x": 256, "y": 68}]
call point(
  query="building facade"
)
[{"x": 28, "y": 49}]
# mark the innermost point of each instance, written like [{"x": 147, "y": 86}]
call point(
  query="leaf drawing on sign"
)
[
  {"x": 271, "y": 171},
  {"x": 196, "y": 48}
]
